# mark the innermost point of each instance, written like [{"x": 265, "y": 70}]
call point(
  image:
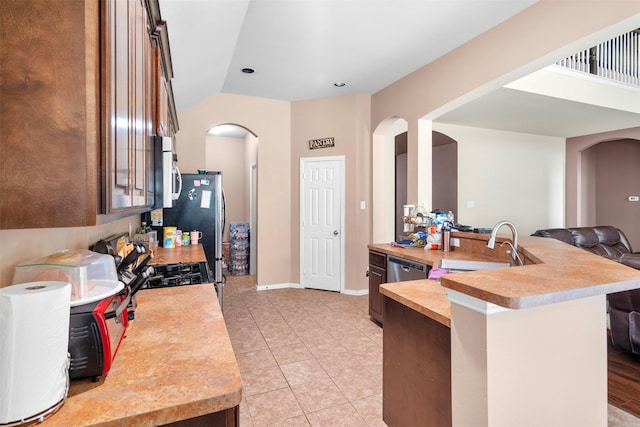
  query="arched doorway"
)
[
  {"x": 233, "y": 150},
  {"x": 611, "y": 185},
  {"x": 383, "y": 201}
]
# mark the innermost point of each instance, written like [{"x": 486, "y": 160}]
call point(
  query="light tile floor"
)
[
  {"x": 311, "y": 357},
  {"x": 306, "y": 357}
]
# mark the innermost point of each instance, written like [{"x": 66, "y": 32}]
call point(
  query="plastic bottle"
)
[{"x": 450, "y": 218}]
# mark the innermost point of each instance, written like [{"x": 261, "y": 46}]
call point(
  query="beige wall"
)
[
  {"x": 526, "y": 367},
  {"x": 554, "y": 30},
  {"x": 227, "y": 155},
  {"x": 270, "y": 121},
  {"x": 345, "y": 118},
  {"x": 250, "y": 157},
  {"x": 18, "y": 246},
  {"x": 580, "y": 179},
  {"x": 617, "y": 178}
]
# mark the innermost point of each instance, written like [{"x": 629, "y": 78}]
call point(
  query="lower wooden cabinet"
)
[
  {"x": 227, "y": 418},
  {"x": 377, "y": 276},
  {"x": 416, "y": 371}
]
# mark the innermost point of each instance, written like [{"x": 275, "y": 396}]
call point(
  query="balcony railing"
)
[{"x": 616, "y": 59}]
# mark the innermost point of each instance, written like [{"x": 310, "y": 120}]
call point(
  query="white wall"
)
[{"x": 507, "y": 175}]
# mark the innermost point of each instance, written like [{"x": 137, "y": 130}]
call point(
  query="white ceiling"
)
[
  {"x": 300, "y": 48},
  {"x": 518, "y": 111}
]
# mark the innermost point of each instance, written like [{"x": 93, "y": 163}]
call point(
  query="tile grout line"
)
[{"x": 257, "y": 309}]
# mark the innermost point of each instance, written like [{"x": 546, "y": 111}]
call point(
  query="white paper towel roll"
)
[{"x": 34, "y": 342}]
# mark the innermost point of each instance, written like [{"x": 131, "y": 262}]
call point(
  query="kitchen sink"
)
[{"x": 459, "y": 265}]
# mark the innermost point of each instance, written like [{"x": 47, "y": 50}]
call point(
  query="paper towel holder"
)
[{"x": 40, "y": 417}]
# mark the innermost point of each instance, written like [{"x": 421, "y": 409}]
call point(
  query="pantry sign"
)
[{"x": 321, "y": 143}]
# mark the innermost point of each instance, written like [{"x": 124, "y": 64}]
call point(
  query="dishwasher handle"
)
[{"x": 407, "y": 265}]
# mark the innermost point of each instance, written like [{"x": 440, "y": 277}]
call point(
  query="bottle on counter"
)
[
  {"x": 446, "y": 239},
  {"x": 446, "y": 231},
  {"x": 178, "y": 237}
]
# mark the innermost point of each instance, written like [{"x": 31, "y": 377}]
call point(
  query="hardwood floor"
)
[{"x": 624, "y": 380}]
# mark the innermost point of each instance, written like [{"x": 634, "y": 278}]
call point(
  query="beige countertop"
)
[
  {"x": 553, "y": 272},
  {"x": 175, "y": 362},
  {"x": 427, "y": 297},
  {"x": 428, "y": 257},
  {"x": 189, "y": 253}
]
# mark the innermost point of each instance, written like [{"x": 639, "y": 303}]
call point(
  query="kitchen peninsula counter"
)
[
  {"x": 553, "y": 272},
  {"x": 500, "y": 347},
  {"x": 175, "y": 363}
]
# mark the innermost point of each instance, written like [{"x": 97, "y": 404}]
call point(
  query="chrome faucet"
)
[{"x": 491, "y": 243}]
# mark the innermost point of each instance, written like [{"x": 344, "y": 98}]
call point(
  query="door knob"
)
[{"x": 335, "y": 232}]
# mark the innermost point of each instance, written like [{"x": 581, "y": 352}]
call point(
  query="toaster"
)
[{"x": 96, "y": 330}]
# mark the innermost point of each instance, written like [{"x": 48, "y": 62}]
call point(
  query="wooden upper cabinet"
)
[
  {"x": 127, "y": 110},
  {"x": 49, "y": 115},
  {"x": 162, "y": 105},
  {"x": 77, "y": 116},
  {"x": 165, "y": 116}
]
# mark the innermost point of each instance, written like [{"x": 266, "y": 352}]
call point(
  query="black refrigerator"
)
[{"x": 201, "y": 206}]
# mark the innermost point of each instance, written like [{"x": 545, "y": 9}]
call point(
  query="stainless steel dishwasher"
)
[{"x": 400, "y": 270}]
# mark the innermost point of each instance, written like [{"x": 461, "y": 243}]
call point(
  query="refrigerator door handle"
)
[{"x": 224, "y": 212}]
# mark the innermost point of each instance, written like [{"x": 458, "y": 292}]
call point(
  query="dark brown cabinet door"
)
[
  {"x": 127, "y": 110},
  {"x": 377, "y": 276},
  {"x": 49, "y": 120},
  {"x": 77, "y": 89},
  {"x": 116, "y": 100},
  {"x": 142, "y": 112}
]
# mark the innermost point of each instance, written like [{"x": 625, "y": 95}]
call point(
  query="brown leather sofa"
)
[{"x": 624, "y": 307}]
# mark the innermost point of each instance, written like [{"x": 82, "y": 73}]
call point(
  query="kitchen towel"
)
[{"x": 34, "y": 342}]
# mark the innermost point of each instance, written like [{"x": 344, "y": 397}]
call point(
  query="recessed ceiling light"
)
[
  {"x": 339, "y": 84},
  {"x": 248, "y": 70}
]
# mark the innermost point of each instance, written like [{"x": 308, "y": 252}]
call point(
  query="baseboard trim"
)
[
  {"x": 299, "y": 286},
  {"x": 356, "y": 292},
  {"x": 277, "y": 286}
]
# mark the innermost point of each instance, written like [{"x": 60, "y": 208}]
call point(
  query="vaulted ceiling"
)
[{"x": 299, "y": 49}]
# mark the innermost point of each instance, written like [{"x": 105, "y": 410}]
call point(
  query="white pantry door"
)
[{"x": 321, "y": 222}]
